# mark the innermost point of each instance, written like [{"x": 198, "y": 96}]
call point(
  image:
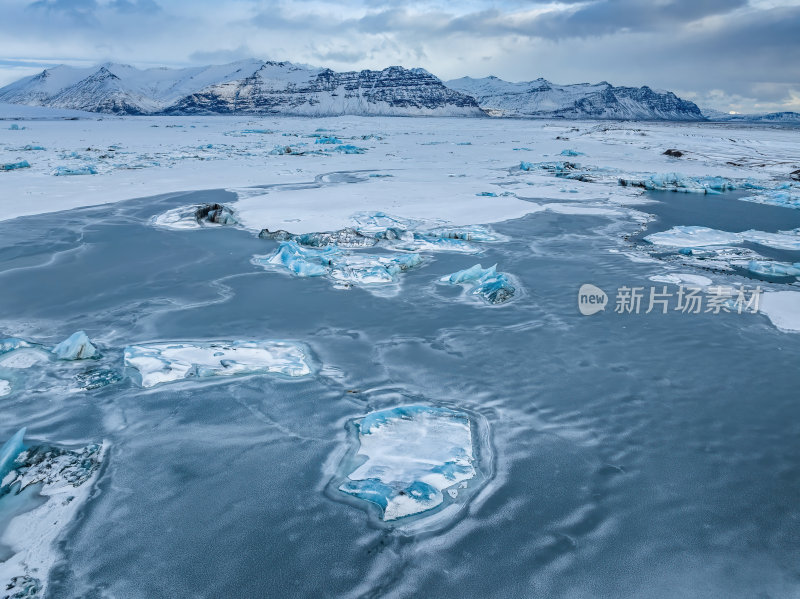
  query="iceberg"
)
[
  {"x": 774, "y": 269},
  {"x": 571, "y": 153},
  {"x": 167, "y": 362},
  {"x": 12, "y": 166},
  {"x": 12, "y": 343},
  {"x": 413, "y": 454},
  {"x": 348, "y": 149},
  {"x": 76, "y": 347},
  {"x": 9, "y": 452},
  {"x": 195, "y": 217},
  {"x": 346, "y": 269},
  {"x": 328, "y": 140},
  {"x": 216, "y": 214},
  {"x": 487, "y": 283}
]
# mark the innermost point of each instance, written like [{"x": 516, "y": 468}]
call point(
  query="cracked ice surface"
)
[
  {"x": 173, "y": 361},
  {"x": 414, "y": 453}
]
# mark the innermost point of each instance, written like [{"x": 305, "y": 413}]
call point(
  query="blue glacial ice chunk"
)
[
  {"x": 300, "y": 261},
  {"x": 31, "y": 147},
  {"x": 173, "y": 361},
  {"x": 13, "y": 166},
  {"x": 68, "y": 171},
  {"x": 12, "y": 343},
  {"x": 526, "y": 166},
  {"x": 571, "y": 153},
  {"x": 786, "y": 196},
  {"x": 9, "y": 452},
  {"x": 15, "y": 127},
  {"x": 413, "y": 454},
  {"x": 487, "y": 283},
  {"x": 681, "y": 183},
  {"x": 774, "y": 269},
  {"x": 345, "y": 268},
  {"x": 348, "y": 149},
  {"x": 76, "y": 347},
  {"x": 330, "y": 139}
]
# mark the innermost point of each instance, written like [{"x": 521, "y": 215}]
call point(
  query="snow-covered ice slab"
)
[
  {"x": 694, "y": 236},
  {"x": 492, "y": 286},
  {"x": 783, "y": 309},
  {"x": 681, "y": 278},
  {"x": 174, "y": 361},
  {"x": 347, "y": 269},
  {"x": 48, "y": 485},
  {"x": 76, "y": 347},
  {"x": 413, "y": 455}
]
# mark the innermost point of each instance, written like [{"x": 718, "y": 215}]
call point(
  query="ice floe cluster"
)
[
  {"x": 29, "y": 472},
  {"x": 700, "y": 237},
  {"x": 413, "y": 456},
  {"x": 327, "y": 253}
]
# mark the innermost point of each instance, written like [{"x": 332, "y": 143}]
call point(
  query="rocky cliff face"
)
[
  {"x": 543, "y": 99},
  {"x": 250, "y": 87}
]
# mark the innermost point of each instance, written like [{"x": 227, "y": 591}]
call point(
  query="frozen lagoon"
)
[{"x": 630, "y": 454}]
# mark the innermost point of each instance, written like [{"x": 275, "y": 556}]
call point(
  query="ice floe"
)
[
  {"x": 413, "y": 455},
  {"x": 5, "y": 387},
  {"x": 694, "y": 236},
  {"x": 783, "y": 309},
  {"x": 76, "y": 347},
  {"x": 168, "y": 362},
  {"x": 486, "y": 283},
  {"x": 682, "y": 183},
  {"x": 48, "y": 485},
  {"x": 681, "y": 278}
]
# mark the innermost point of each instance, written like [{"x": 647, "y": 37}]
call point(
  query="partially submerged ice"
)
[
  {"x": 345, "y": 268},
  {"x": 492, "y": 286},
  {"x": 195, "y": 217},
  {"x": 786, "y": 195},
  {"x": 413, "y": 455},
  {"x": 76, "y": 347},
  {"x": 174, "y": 361},
  {"x": 13, "y": 166}
]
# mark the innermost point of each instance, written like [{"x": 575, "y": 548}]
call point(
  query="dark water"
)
[{"x": 634, "y": 455}]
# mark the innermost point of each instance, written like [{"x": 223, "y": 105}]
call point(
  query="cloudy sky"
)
[{"x": 733, "y": 55}]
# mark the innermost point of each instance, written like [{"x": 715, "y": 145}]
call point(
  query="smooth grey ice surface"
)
[{"x": 631, "y": 455}]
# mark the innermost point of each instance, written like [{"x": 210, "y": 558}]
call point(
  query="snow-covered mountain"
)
[
  {"x": 772, "y": 117},
  {"x": 543, "y": 99},
  {"x": 244, "y": 87}
]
